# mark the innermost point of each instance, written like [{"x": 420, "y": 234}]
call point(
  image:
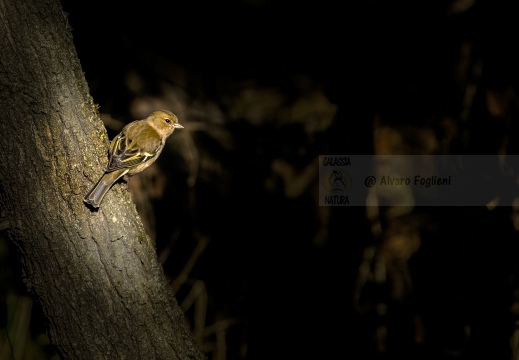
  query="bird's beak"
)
[{"x": 178, "y": 126}]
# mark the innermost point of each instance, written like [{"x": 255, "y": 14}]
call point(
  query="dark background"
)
[{"x": 233, "y": 72}]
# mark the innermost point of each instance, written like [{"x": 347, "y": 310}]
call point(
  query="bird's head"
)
[{"x": 164, "y": 121}]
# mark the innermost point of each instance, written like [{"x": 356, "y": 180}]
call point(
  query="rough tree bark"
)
[{"x": 95, "y": 274}]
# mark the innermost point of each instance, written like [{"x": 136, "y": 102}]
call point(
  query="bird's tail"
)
[{"x": 98, "y": 192}]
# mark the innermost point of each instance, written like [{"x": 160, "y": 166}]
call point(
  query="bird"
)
[{"x": 135, "y": 148}]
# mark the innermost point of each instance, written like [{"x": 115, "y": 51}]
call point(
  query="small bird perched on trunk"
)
[{"x": 135, "y": 148}]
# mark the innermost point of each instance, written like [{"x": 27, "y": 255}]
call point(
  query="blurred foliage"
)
[{"x": 265, "y": 87}]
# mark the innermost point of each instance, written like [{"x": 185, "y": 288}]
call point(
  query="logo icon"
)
[{"x": 337, "y": 181}]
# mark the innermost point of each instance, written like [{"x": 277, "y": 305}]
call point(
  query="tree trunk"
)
[{"x": 95, "y": 273}]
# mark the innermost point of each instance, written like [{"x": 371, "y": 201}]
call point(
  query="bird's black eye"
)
[{"x": 168, "y": 121}]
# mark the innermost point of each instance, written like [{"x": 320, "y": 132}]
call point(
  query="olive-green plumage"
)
[{"x": 135, "y": 148}]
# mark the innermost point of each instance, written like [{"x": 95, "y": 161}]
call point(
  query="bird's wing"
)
[{"x": 126, "y": 153}]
